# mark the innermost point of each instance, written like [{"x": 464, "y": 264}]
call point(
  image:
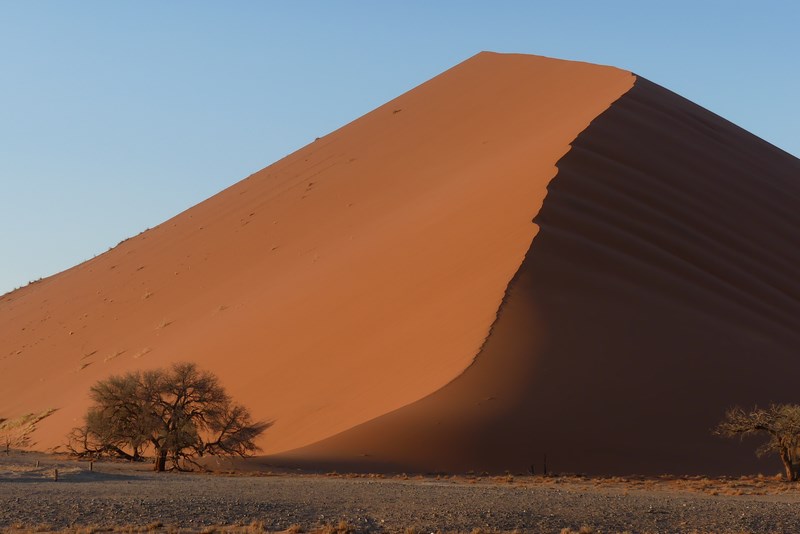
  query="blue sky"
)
[{"x": 115, "y": 116}]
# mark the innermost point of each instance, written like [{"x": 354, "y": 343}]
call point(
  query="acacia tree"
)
[
  {"x": 781, "y": 422},
  {"x": 180, "y": 413}
]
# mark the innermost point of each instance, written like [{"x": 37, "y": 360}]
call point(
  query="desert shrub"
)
[
  {"x": 16, "y": 433},
  {"x": 181, "y": 413}
]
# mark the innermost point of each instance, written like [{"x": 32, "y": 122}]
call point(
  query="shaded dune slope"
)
[
  {"x": 349, "y": 279},
  {"x": 661, "y": 289}
]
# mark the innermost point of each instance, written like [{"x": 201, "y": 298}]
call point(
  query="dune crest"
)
[{"x": 347, "y": 280}]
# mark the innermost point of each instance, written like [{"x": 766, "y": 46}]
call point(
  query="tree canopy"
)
[{"x": 181, "y": 413}]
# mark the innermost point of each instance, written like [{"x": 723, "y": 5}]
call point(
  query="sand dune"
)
[
  {"x": 520, "y": 257},
  {"x": 347, "y": 280},
  {"x": 661, "y": 289}
]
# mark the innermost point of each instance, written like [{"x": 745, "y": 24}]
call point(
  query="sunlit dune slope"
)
[
  {"x": 662, "y": 288},
  {"x": 345, "y": 281}
]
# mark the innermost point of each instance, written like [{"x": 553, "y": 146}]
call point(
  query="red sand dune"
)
[{"x": 400, "y": 294}]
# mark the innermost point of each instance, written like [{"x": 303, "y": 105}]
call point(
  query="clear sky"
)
[{"x": 115, "y": 116}]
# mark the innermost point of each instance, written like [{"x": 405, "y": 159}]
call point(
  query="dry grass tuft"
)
[
  {"x": 256, "y": 526},
  {"x": 17, "y": 432},
  {"x": 343, "y": 527},
  {"x": 20, "y": 528}
]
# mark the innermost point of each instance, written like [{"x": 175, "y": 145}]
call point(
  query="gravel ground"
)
[{"x": 116, "y": 494}]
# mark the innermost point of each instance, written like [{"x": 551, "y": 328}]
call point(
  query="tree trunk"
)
[
  {"x": 789, "y": 467},
  {"x": 791, "y": 474},
  {"x": 161, "y": 461}
]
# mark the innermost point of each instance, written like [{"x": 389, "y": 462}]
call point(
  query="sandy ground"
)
[{"x": 121, "y": 494}]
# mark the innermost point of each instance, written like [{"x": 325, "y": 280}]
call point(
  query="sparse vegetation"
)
[
  {"x": 781, "y": 422},
  {"x": 180, "y": 413},
  {"x": 16, "y": 433}
]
